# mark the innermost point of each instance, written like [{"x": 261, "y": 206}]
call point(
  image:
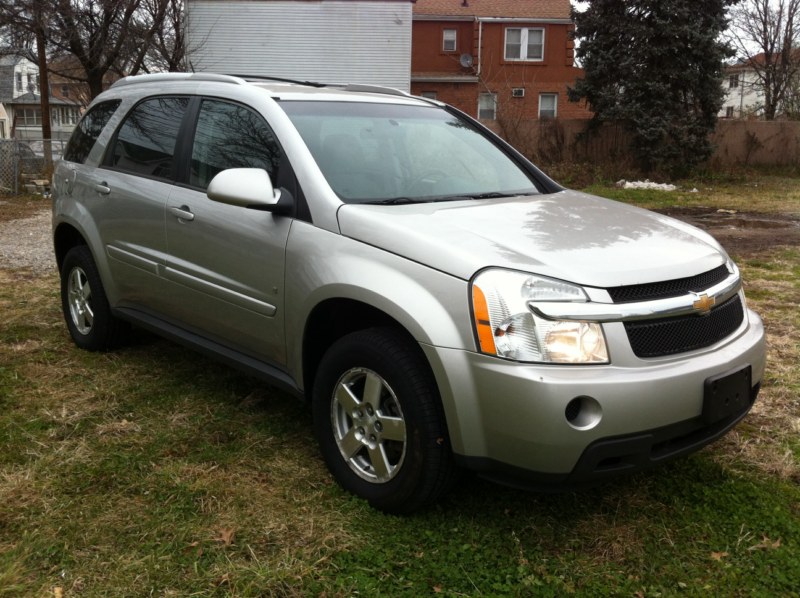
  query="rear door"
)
[
  {"x": 226, "y": 263},
  {"x": 133, "y": 185}
]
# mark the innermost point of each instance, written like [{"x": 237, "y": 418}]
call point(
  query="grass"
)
[{"x": 153, "y": 471}]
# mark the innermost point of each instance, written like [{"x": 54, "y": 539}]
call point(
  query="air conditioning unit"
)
[{"x": 518, "y": 92}]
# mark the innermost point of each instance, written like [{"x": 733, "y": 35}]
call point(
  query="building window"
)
[
  {"x": 65, "y": 91},
  {"x": 524, "y": 44},
  {"x": 31, "y": 83},
  {"x": 729, "y": 112},
  {"x": 487, "y": 106},
  {"x": 19, "y": 82},
  {"x": 450, "y": 40},
  {"x": 431, "y": 95},
  {"x": 548, "y": 105},
  {"x": 733, "y": 81},
  {"x": 31, "y": 117}
]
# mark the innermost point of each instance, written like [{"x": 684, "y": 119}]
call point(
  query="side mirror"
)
[{"x": 248, "y": 188}]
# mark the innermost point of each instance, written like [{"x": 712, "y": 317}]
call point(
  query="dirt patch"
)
[
  {"x": 741, "y": 233},
  {"x": 15, "y": 207}
]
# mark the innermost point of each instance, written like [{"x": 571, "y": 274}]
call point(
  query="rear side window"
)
[
  {"x": 88, "y": 130},
  {"x": 231, "y": 136},
  {"x": 146, "y": 141}
]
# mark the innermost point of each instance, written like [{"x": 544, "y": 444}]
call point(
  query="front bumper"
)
[{"x": 508, "y": 418}]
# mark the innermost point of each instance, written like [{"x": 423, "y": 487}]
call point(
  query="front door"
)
[{"x": 225, "y": 263}]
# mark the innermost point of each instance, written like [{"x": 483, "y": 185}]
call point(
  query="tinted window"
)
[
  {"x": 88, "y": 130},
  {"x": 230, "y": 136},
  {"x": 146, "y": 141}
]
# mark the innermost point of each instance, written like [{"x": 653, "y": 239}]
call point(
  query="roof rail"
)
[
  {"x": 278, "y": 79},
  {"x": 164, "y": 77},
  {"x": 354, "y": 87},
  {"x": 360, "y": 87}
]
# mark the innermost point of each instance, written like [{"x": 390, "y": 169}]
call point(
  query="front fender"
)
[{"x": 432, "y": 306}]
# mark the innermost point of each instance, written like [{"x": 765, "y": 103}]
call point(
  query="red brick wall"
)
[{"x": 551, "y": 75}]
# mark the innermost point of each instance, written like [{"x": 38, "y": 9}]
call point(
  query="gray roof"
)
[{"x": 31, "y": 98}]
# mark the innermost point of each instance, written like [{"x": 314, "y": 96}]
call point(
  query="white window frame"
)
[
  {"x": 730, "y": 112},
  {"x": 733, "y": 81},
  {"x": 555, "y": 104},
  {"x": 445, "y": 40},
  {"x": 523, "y": 45},
  {"x": 19, "y": 82},
  {"x": 31, "y": 117},
  {"x": 493, "y": 98}
]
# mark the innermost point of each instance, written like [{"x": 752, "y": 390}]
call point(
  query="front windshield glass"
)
[{"x": 394, "y": 153}]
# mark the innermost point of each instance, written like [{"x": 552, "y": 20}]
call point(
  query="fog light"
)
[{"x": 583, "y": 413}]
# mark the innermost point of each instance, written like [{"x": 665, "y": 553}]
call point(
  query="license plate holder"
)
[{"x": 726, "y": 394}]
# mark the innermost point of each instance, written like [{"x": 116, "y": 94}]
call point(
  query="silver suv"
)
[{"x": 440, "y": 301}]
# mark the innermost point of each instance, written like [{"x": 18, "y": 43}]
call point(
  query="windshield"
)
[{"x": 392, "y": 153}]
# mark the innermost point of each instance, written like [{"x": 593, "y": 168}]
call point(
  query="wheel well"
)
[
  {"x": 330, "y": 321},
  {"x": 65, "y": 238}
]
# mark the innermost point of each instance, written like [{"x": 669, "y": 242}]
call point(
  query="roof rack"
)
[
  {"x": 164, "y": 77},
  {"x": 243, "y": 79}
]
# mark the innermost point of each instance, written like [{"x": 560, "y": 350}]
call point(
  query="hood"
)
[{"x": 567, "y": 235}]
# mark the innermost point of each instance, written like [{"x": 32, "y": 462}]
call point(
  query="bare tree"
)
[
  {"x": 772, "y": 29},
  {"x": 123, "y": 37}
]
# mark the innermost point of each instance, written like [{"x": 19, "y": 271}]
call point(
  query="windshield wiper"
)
[
  {"x": 496, "y": 194},
  {"x": 394, "y": 201}
]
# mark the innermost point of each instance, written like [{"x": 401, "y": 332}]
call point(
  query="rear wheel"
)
[
  {"x": 379, "y": 421},
  {"x": 91, "y": 324}
]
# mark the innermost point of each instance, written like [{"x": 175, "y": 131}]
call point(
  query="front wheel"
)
[
  {"x": 91, "y": 324},
  {"x": 379, "y": 421}
]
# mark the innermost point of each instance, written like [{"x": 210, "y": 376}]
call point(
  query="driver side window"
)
[{"x": 231, "y": 136}]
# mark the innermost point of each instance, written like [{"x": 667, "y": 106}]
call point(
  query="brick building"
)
[{"x": 496, "y": 59}]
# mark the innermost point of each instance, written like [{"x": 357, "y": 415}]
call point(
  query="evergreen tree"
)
[{"x": 656, "y": 66}]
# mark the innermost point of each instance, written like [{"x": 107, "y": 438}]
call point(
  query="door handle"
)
[
  {"x": 182, "y": 213},
  {"x": 102, "y": 188}
]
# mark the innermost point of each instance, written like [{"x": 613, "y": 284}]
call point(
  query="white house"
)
[
  {"x": 743, "y": 95},
  {"x": 20, "y": 103},
  {"x": 327, "y": 41}
]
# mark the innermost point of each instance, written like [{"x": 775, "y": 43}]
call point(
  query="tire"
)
[
  {"x": 379, "y": 421},
  {"x": 91, "y": 324}
]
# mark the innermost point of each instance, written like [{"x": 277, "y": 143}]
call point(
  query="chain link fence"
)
[{"x": 23, "y": 167}]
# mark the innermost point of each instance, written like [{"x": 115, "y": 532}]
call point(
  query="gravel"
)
[{"x": 27, "y": 243}]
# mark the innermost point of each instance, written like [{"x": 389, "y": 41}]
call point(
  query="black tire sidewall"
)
[{"x": 392, "y": 357}]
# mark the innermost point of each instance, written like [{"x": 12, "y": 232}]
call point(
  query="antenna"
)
[{"x": 465, "y": 60}]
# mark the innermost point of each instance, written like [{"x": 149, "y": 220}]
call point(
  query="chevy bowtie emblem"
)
[{"x": 704, "y": 303}]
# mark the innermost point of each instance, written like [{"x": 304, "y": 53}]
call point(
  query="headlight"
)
[{"x": 506, "y": 326}]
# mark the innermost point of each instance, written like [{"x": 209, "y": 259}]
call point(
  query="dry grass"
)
[{"x": 152, "y": 471}]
